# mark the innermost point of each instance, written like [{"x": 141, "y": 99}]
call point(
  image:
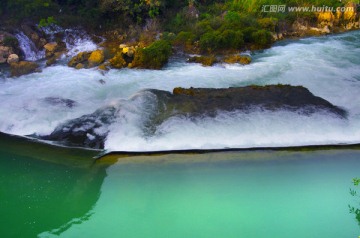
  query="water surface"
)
[{"x": 230, "y": 194}]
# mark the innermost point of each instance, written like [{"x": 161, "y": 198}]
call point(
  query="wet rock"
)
[
  {"x": 5, "y": 52},
  {"x": 96, "y": 58},
  {"x": 88, "y": 59},
  {"x": 118, "y": 61},
  {"x": 55, "y": 101},
  {"x": 80, "y": 58},
  {"x": 239, "y": 59},
  {"x": 79, "y": 66},
  {"x": 103, "y": 67},
  {"x": 87, "y": 131},
  {"x": 91, "y": 130},
  {"x": 54, "y": 48},
  {"x": 22, "y": 68},
  {"x": 13, "y": 58},
  {"x": 204, "y": 60},
  {"x": 195, "y": 102},
  {"x": 129, "y": 51},
  {"x": 35, "y": 35},
  {"x": 9, "y": 40}
]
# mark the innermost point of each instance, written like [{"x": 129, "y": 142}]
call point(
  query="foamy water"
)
[{"x": 327, "y": 66}]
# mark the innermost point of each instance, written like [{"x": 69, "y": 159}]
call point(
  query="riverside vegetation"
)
[{"x": 145, "y": 33}]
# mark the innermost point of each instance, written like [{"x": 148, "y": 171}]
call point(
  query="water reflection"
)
[
  {"x": 44, "y": 187},
  {"x": 48, "y": 192},
  {"x": 355, "y": 209}
]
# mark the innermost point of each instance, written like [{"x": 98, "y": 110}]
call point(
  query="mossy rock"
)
[
  {"x": 154, "y": 56},
  {"x": 82, "y": 57},
  {"x": 22, "y": 68},
  {"x": 118, "y": 61},
  {"x": 79, "y": 66},
  {"x": 103, "y": 67},
  {"x": 239, "y": 59},
  {"x": 204, "y": 60},
  {"x": 51, "y": 61},
  {"x": 96, "y": 58},
  {"x": 184, "y": 91}
]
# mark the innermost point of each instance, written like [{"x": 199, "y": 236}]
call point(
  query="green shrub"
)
[
  {"x": 168, "y": 36},
  {"x": 184, "y": 38},
  {"x": 248, "y": 34},
  {"x": 262, "y": 38},
  {"x": 202, "y": 27},
  {"x": 268, "y": 23},
  {"x": 209, "y": 41},
  {"x": 216, "y": 40},
  {"x": 232, "y": 39},
  {"x": 46, "y": 22},
  {"x": 154, "y": 56},
  {"x": 232, "y": 17}
]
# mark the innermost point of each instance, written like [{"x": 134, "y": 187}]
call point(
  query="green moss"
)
[{"x": 154, "y": 56}]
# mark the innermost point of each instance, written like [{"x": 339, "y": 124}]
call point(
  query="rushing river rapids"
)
[{"x": 327, "y": 66}]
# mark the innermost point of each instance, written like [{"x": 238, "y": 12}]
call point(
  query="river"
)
[
  {"x": 328, "y": 66},
  {"x": 51, "y": 191}
]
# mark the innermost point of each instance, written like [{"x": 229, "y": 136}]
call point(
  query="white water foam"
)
[
  {"x": 77, "y": 40},
  {"x": 327, "y": 66}
]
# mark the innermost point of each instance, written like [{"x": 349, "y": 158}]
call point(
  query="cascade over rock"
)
[{"x": 91, "y": 130}]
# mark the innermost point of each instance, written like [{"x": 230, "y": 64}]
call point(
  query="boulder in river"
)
[
  {"x": 91, "y": 130},
  {"x": 239, "y": 59},
  {"x": 96, "y": 58},
  {"x": 23, "y": 67},
  {"x": 208, "y": 101},
  {"x": 203, "y": 60},
  {"x": 80, "y": 58},
  {"x": 87, "y": 131}
]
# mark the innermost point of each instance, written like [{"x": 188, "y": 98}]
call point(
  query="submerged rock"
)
[
  {"x": 60, "y": 101},
  {"x": 91, "y": 130}
]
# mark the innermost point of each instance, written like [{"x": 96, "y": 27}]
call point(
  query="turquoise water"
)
[{"x": 234, "y": 194}]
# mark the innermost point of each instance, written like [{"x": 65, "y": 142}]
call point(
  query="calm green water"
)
[{"x": 243, "y": 194}]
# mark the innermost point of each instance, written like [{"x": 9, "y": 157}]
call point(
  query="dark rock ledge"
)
[{"x": 91, "y": 130}]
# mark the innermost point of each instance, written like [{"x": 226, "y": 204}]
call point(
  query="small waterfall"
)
[
  {"x": 28, "y": 47},
  {"x": 76, "y": 39}
]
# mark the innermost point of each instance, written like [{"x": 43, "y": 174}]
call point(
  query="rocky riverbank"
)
[{"x": 118, "y": 49}]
